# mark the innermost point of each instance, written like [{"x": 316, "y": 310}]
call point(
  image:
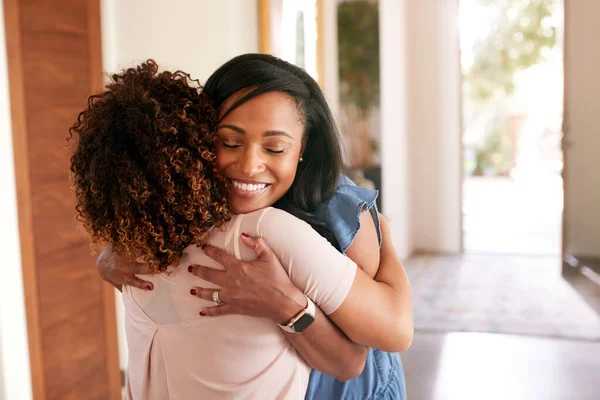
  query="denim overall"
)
[{"x": 383, "y": 376}]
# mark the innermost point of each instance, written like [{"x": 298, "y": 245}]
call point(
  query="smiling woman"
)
[
  {"x": 274, "y": 106},
  {"x": 259, "y": 150}
]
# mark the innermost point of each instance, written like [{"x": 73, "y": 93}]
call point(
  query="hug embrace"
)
[{"x": 251, "y": 267}]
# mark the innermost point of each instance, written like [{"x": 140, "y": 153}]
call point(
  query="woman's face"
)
[{"x": 259, "y": 149}]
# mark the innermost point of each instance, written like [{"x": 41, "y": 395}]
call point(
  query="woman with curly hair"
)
[
  {"x": 278, "y": 146},
  {"x": 144, "y": 169}
]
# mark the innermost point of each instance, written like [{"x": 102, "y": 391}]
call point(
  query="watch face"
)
[{"x": 303, "y": 322}]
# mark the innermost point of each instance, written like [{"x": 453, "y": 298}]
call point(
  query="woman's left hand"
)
[{"x": 259, "y": 288}]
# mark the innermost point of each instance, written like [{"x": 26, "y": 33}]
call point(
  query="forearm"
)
[
  {"x": 325, "y": 348},
  {"x": 322, "y": 345},
  {"x": 386, "y": 315}
]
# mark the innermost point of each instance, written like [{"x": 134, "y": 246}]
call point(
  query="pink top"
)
[{"x": 174, "y": 353}]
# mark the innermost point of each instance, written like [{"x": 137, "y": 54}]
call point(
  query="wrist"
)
[{"x": 293, "y": 302}]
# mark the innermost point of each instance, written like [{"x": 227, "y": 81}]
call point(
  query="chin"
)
[
  {"x": 246, "y": 205},
  {"x": 238, "y": 207}
]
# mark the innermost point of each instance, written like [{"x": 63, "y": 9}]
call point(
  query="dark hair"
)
[
  {"x": 144, "y": 168},
  {"x": 317, "y": 176}
]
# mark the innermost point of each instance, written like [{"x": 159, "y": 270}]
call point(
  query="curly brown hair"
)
[{"x": 144, "y": 168}]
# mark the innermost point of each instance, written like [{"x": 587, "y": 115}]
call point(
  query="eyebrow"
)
[{"x": 266, "y": 134}]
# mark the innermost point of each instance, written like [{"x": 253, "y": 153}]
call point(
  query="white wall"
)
[
  {"x": 330, "y": 79},
  {"x": 421, "y": 129},
  {"x": 582, "y": 105},
  {"x": 196, "y": 36},
  {"x": 394, "y": 122},
  {"x": 15, "y": 376},
  {"x": 434, "y": 88}
]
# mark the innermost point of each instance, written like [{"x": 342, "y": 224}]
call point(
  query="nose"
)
[{"x": 251, "y": 162}]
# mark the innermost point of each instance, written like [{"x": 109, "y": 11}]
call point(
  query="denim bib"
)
[{"x": 383, "y": 376}]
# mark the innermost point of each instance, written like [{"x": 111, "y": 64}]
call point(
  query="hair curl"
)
[{"x": 144, "y": 168}]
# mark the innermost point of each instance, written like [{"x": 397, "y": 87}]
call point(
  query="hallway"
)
[
  {"x": 502, "y": 327},
  {"x": 483, "y": 366}
]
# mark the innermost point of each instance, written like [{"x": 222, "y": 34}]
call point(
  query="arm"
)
[
  {"x": 364, "y": 250},
  {"x": 119, "y": 270},
  {"x": 326, "y": 348},
  {"x": 389, "y": 305},
  {"x": 314, "y": 271},
  {"x": 375, "y": 313},
  {"x": 261, "y": 288}
]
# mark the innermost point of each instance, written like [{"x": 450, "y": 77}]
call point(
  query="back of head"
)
[
  {"x": 144, "y": 166},
  {"x": 318, "y": 174}
]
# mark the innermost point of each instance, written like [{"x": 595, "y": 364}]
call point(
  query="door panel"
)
[{"x": 54, "y": 64}]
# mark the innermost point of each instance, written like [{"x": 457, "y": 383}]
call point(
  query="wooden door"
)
[{"x": 54, "y": 63}]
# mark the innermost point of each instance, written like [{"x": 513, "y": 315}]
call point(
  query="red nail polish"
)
[
  {"x": 193, "y": 292},
  {"x": 244, "y": 234},
  {"x": 190, "y": 268},
  {"x": 149, "y": 286},
  {"x": 203, "y": 313}
]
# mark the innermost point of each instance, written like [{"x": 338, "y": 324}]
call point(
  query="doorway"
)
[{"x": 512, "y": 63}]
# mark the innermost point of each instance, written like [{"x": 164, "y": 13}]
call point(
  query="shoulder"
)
[
  {"x": 341, "y": 213},
  {"x": 274, "y": 218}
]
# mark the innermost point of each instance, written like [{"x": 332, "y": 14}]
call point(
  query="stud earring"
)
[{"x": 301, "y": 159}]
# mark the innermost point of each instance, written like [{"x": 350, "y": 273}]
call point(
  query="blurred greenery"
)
[
  {"x": 516, "y": 41},
  {"x": 358, "y": 57},
  {"x": 494, "y": 155},
  {"x": 519, "y": 37},
  {"x": 358, "y": 54}
]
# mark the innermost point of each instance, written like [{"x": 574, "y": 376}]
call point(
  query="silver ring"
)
[{"x": 215, "y": 297}]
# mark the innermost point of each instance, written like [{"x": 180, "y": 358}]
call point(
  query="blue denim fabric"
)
[
  {"x": 382, "y": 379},
  {"x": 341, "y": 213},
  {"x": 383, "y": 376}
]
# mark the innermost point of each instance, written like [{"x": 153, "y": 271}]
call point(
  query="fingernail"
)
[
  {"x": 203, "y": 313},
  {"x": 202, "y": 246},
  {"x": 149, "y": 286},
  {"x": 193, "y": 292},
  {"x": 244, "y": 234},
  {"x": 190, "y": 268}
]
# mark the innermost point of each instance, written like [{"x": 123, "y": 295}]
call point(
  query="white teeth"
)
[{"x": 249, "y": 187}]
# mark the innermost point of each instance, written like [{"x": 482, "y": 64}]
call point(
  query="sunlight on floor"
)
[{"x": 521, "y": 216}]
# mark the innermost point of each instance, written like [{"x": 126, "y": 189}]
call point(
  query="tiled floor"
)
[
  {"x": 502, "y": 294},
  {"x": 483, "y": 366},
  {"x": 483, "y": 292}
]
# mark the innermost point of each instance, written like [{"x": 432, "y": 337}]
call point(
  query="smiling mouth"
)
[{"x": 249, "y": 187}]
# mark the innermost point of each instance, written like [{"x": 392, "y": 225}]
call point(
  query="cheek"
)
[
  {"x": 285, "y": 171},
  {"x": 222, "y": 159}
]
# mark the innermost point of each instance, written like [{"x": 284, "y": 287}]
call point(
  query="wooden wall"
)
[{"x": 54, "y": 63}]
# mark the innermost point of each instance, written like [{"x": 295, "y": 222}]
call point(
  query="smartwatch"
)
[{"x": 302, "y": 320}]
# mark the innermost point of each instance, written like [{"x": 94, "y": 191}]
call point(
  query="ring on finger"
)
[{"x": 215, "y": 297}]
